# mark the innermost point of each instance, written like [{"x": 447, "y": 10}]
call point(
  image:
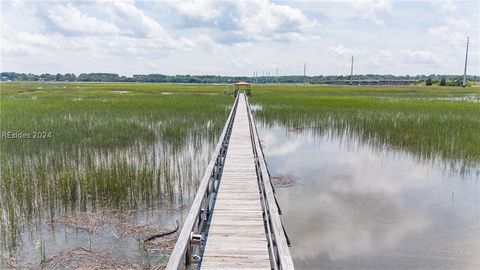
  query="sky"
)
[{"x": 238, "y": 38}]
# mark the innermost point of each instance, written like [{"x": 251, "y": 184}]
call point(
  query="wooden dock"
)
[{"x": 234, "y": 220}]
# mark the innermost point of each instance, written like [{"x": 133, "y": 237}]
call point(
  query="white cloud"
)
[
  {"x": 453, "y": 31},
  {"x": 341, "y": 50},
  {"x": 448, "y": 6},
  {"x": 457, "y": 23},
  {"x": 202, "y": 10},
  {"x": 119, "y": 18},
  {"x": 131, "y": 18},
  {"x": 28, "y": 43},
  {"x": 19, "y": 4},
  {"x": 71, "y": 19},
  {"x": 373, "y": 10},
  {"x": 370, "y": 10},
  {"x": 366, "y": 58},
  {"x": 33, "y": 39},
  {"x": 12, "y": 48},
  {"x": 418, "y": 56},
  {"x": 236, "y": 37},
  {"x": 238, "y": 21},
  {"x": 263, "y": 18}
]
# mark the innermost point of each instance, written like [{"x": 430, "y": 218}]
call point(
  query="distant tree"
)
[
  {"x": 59, "y": 77},
  {"x": 70, "y": 77},
  {"x": 428, "y": 82},
  {"x": 443, "y": 82},
  {"x": 29, "y": 77},
  {"x": 449, "y": 80},
  {"x": 47, "y": 77}
]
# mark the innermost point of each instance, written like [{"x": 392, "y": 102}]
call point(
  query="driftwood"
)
[
  {"x": 163, "y": 243},
  {"x": 163, "y": 234},
  {"x": 87, "y": 221},
  {"x": 141, "y": 233},
  {"x": 86, "y": 259},
  {"x": 151, "y": 237},
  {"x": 92, "y": 222}
]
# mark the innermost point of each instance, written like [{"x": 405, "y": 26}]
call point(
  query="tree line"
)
[{"x": 433, "y": 79}]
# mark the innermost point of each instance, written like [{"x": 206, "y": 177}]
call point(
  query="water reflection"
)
[{"x": 358, "y": 207}]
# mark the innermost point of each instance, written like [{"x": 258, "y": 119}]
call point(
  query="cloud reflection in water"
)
[{"x": 358, "y": 207}]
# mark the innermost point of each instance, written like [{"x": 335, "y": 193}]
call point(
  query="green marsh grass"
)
[
  {"x": 112, "y": 146},
  {"x": 431, "y": 123}
]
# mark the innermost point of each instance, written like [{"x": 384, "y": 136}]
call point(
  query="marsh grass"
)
[
  {"x": 120, "y": 146},
  {"x": 433, "y": 124}
]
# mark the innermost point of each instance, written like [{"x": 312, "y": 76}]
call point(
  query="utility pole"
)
[
  {"x": 304, "y": 73},
  {"x": 465, "y": 69},
  {"x": 277, "y": 75},
  {"x": 351, "y": 72}
]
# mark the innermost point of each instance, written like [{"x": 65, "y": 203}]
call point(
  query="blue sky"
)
[{"x": 240, "y": 37}]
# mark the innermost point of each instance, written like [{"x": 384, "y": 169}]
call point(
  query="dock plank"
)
[{"x": 236, "y": 237}]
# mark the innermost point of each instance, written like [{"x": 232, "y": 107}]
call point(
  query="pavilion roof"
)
[{"x": 242, "y": 83}]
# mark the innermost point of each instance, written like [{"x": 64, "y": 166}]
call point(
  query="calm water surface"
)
[{"x": 354, "y": 207}]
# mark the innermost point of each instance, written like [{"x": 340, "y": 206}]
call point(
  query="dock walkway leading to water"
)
[{"x": 234, "y": 221}]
